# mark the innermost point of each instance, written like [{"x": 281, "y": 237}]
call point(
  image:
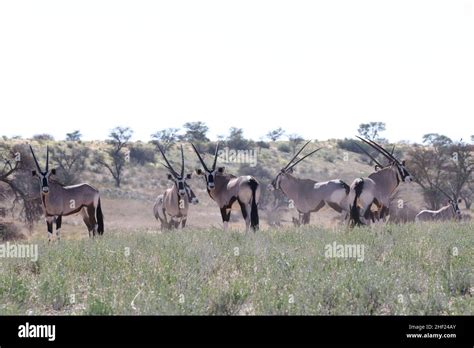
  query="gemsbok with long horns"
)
[
  {"x": 450, "y": 211},
  {"x": 309, "y": 196},
  {"x": 377, "y": 188},
  {"x": 171, "y": 207},
  {"x": 227, "y": 190},
  {"x": 59, "y": 201}
]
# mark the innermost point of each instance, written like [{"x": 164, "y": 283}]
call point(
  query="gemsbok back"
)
[
  {"x": 59, "y": 201},
  {"x": 309, "y": 196},
  {"x": 450, "y": 211},
  {"x": 227, "y": 189},
  {"x": 171, "y": 207},
  {"x": 377, "y": 188}
]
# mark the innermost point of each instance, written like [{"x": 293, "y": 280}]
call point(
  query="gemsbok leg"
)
[
  {"x": 59, "y": 221},
  {"x": 49, "y": 223},
  {"x": 245, "y": 208}
]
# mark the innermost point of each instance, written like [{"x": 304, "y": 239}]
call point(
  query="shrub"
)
[
  {"x": 284, "y": 148},
  {"x": 141, "y": 155}
]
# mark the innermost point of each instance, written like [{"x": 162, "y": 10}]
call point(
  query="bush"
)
[
  {"x": 284, "y": 148},
  {"x": 43, "y": 137},
  {"x": 141, "y": 155},
  {"x": 263, "y": 144},
  {"x": 9, "y": 231},
  {"x": 348, "y": 145}
]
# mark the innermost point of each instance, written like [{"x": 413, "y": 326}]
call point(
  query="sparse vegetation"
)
[{"x": 409, "y": 269}]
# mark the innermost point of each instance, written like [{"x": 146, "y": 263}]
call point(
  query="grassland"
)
[{"x": 407, "y": 269}]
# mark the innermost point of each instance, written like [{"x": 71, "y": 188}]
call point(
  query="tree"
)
[
  {"x": 74, "y": 136},
  {"x": 436, "y": 140},
  {"x": 460, "y": 168},
  {"x": 236, "y": 139},
  {"x": 444, "y": 164},
  {"x": 295, "y": 140},
  {"x": 427, "y": 167},
  {"x": 165, "y": 137},
  {"x": 70, "y": 162},
  {"x": 16, "y": 164},
  {"x": 467, "y": 194},
  {"x": 115, "y": 157},
  {"x": 371, "y": 130},
  {"x": 275, "y": 134},
  {"x": 195, "y": 132}
]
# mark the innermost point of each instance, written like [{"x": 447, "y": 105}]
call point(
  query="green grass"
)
[{"x": 408, "y": 269}]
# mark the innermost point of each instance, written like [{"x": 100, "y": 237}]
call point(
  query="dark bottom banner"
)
[{"x": 272, "y": 330}]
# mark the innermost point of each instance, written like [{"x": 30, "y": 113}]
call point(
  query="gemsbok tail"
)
[
  {"x": 345, "y": 186},
  {"x": 254, "y": 209},
  {"x": 100, "y": 219},
  {"x": 355, "y": 213}
]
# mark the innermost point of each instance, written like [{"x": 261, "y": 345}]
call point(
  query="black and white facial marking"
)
[
  {"x": 404, "y": 175},
  {"x": 210, "y": 176},
  {"x": 43, "y": 175},
  {"x": 181, "y": 184},
  {"x": 192, "y": 198},
  {"x": 455, "y": 205},
  {"x": 44, "y": 179},
  {"x": 275, "y": 184}
]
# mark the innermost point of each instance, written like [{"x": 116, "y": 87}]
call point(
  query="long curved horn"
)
[
  {"x": 47, "y": 158},
  {"x": 182, "y": 162},
  {"x": 296, "y": 155},
  {"x": 368, "y": 154},
  {"x": 302, "y": 158},
  {"x": 379, "y": 148},
  {"x": 215, "y": 157},
  {"x": 385, "y": 151},
  {"x": 200, "y": 158},
  {"x": 36, "y": 161},
  {"x": 167, "y": 162}
]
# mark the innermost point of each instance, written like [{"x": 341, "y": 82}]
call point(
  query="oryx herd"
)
[{"x": 366, "y": 200}]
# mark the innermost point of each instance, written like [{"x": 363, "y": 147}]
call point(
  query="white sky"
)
[{"x": 316, "y": 68}]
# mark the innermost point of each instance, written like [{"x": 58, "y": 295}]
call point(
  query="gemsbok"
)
[
  {"x": 226, "y": 190},
  {"x": 309, "y": 196},
  {"x": 171, "y": 207},
  {"x": 450, "y": 211},
  {"x": 377, "y": 188},
  {"x": 59, "y": 201}
]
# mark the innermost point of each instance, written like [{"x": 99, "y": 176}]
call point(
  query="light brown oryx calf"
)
[
  {"x": 309, "y": 196},
  {"x": 227, "y": 190},
  {"x": 59, "y": 201},
  {"x": 377, "y": 188},
  {"x": 450, "y": 211},
  {"x": 171, "y": 207}
]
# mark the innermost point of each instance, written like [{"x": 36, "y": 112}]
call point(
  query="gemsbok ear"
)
[
  {"x": 53, "y": 171},
  {"x": 198, "y": 171},
  {"x": 290, "y": 170},
  {"x": 220, "y": 169},
  {"x": 459, "y": 200},
  {"x": 189, "y": 175},
  {"x": 170, "y": 177},
  {"x": 33, "y": 172}
]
